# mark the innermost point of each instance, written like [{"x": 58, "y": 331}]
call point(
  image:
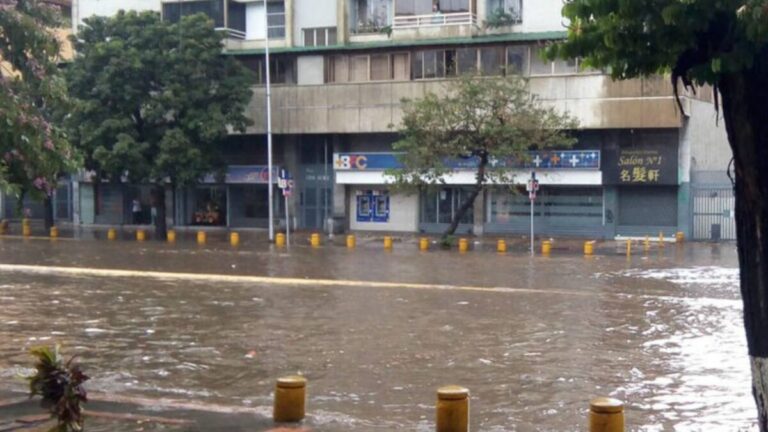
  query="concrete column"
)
[
  {"x": 75, "y": 203},
  {"x": 291, "y": 158},
  {"x": 479, "y": 214},
  {"x": 342, "y": 20},
  {"x": 289, "y": 42},
  {"x": 610, "y": 211}
]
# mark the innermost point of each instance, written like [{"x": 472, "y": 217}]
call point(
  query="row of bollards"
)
[{"x": 451, "y": 409}]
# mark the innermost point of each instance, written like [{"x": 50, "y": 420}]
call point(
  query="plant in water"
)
[{"x": 60, "y": 385}]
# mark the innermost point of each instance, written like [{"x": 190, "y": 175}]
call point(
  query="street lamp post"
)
[{"x": 269, "y": 125}]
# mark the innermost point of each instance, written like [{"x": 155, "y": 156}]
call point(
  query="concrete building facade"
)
[{"x": 340, "y": 69}]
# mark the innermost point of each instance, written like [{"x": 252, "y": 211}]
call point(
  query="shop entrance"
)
[{"x": 315, "y": 191}]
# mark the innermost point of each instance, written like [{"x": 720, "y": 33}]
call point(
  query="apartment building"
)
[{"x": 339, "y": 70}]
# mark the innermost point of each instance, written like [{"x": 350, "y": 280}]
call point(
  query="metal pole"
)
[
  {"x": 287, "y": 224},
  {"x": 532, "y": 252},
  {"x": 269, "y": 126}
]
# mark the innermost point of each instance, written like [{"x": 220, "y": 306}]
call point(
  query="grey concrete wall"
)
[
  {"x": 596, "y": 100},
  {"x": 708, "y": 142}
]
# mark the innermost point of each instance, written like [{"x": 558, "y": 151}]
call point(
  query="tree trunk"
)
[
  {"x": 467, "y": 204},
  {"x": 48, "y": 209},
  {"x": 158, "y": 203},
  {"x": 746, "y": 118}
]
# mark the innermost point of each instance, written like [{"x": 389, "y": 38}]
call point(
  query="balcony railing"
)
[
  {"x": 232, "y": 33},
  {"x": 434, "y": 20}
]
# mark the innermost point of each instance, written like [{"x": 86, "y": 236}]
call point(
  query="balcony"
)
[
  {"x": 434, "y": 20},
  {"x": 232, "y": 33}
]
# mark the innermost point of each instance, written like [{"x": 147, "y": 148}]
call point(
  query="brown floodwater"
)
[{"x": 533, "y": 339}]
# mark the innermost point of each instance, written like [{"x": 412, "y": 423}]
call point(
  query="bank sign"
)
[
  {"x": 562, "y": 159},
  {"x": 646, "y": 165}
]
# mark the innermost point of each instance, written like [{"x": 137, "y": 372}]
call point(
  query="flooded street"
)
[{"x": 376, "y": 333}]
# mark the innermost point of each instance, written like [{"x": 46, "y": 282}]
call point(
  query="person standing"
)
[{"x": 136, "y": 209}]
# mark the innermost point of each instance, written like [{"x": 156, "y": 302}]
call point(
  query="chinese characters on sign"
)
[{"x": 640, "y": 166}]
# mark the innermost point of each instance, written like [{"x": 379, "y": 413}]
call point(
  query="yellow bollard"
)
[
  {"x": 351, "y": 241},
  {"x": 463, "y": 245},
  {"x": 452, "y": 409},
  {"x": 314, "y": 240},
  {"x": 589, "y": 248},
  {"x": 501, "y": 246},
  {"x": 141, "y": 235},
  {"x": 3, "y": 227},
  {"x": 290, "y": 397},
  {"x": 54, "y": 232},
  {"x": 280, "y": 240},
  {"x": 661, "y": 239},
  {"x": 25, "y": 222},
  {"x": 606, "y": 415},
  {"x": 111, "y": 234},
  {"x": 234, "y": 239},
  {"x": 546, "y": 247},
  {"x": 387, "y": 242},
  {"x": 171, "y": 236},
  {"x": 680, "y": 237},
  {"x": 647, "y": 244},
  {"x": 201, "y": 237},
  {"x": 423, "y": 244},
  {"x": 629, "y": 247}
]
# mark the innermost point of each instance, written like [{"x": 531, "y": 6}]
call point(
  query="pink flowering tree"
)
[{"x": 34, "y": 152}]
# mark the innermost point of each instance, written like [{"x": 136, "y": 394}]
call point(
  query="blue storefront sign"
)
[
  {"x": 245, "y": 174},
  {"x": 555, "y": 159}
]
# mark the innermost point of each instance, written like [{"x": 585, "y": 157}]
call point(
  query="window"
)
[
  {"x": 282, "y": 69},
  {"x": 492, "y": 61},
  {"x": 440, "y": 206},
  {"x": 467, "y": 63},
  {"x": 214, "y": 9},
  {"x": 538, "y": 65},
  {"x": 413, "y": 7},
  {"x": 322, "y": 36},
  {"x": 517, "y": 60},
  {"x": 506, "y": 11},
  {"x": 371, "y": 16},
  {"x": 367, "y": 67},
  {"x": 434, "y": 64},
  {"x": 276, "y": 19},
  {"x": 449, "y": 6},
  {"x": 566, "y": 66}
]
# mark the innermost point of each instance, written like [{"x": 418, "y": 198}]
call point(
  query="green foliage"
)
[
  {"x": 61, "y": 387},
  {"x": 501, "y": 18},
  {"x": 696, "y": 40},
  {"x": 34, "y": 152},
  {"x": 493, "y": 119},
  {"x": 154, "y": 100}
]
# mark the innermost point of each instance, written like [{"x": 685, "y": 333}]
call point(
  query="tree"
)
[
  {"x": 34, "y": 151},
  {"x": 487, "y": 122},
  {"x": 723, "y": 43},
  {"x": 154, "y": 100}
]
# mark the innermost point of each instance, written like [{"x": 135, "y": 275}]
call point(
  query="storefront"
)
[
  {"x": 571, "y": 200},
  {"x": 239, "y": 199},
  {"x": 645, "y": 179}
]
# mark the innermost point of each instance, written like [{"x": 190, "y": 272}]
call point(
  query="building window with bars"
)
[
  {"x": 321, "y": 36},
  {"x": 276, "y": 19}
]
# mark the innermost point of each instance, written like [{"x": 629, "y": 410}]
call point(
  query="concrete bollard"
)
[
  {"x": 546, "y": 247},
  {"x": 201, "y": 237},
  {"x": 111, "y": 234},
  {"x": 171, "y": 236},
  {"x": 314, "y": 240},
  {"x": 606, "y": 415},
  {"x": 452, "y": 409},
  {"x": 234, "y": 239},
  {"x": 280, "y": 240},
  {"x": 290, "y": 398},
  {"x": 423, "y": 244},
  {"x": 680, "y": 237},
  {"x": 141, "y": 235},
  {"x": 387, "y": 242},
  {"x": 54, "y": 232},
  {"x": 501, "y": 246},
  {"x": 463, "y": 245},
  {"x": 351, "y": 241},
  {"x": 589, "y": 248}
]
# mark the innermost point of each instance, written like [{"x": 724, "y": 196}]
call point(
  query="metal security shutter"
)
[
  {"x": 713, "y": 213},
  {"x": 647, "y": 210}
]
